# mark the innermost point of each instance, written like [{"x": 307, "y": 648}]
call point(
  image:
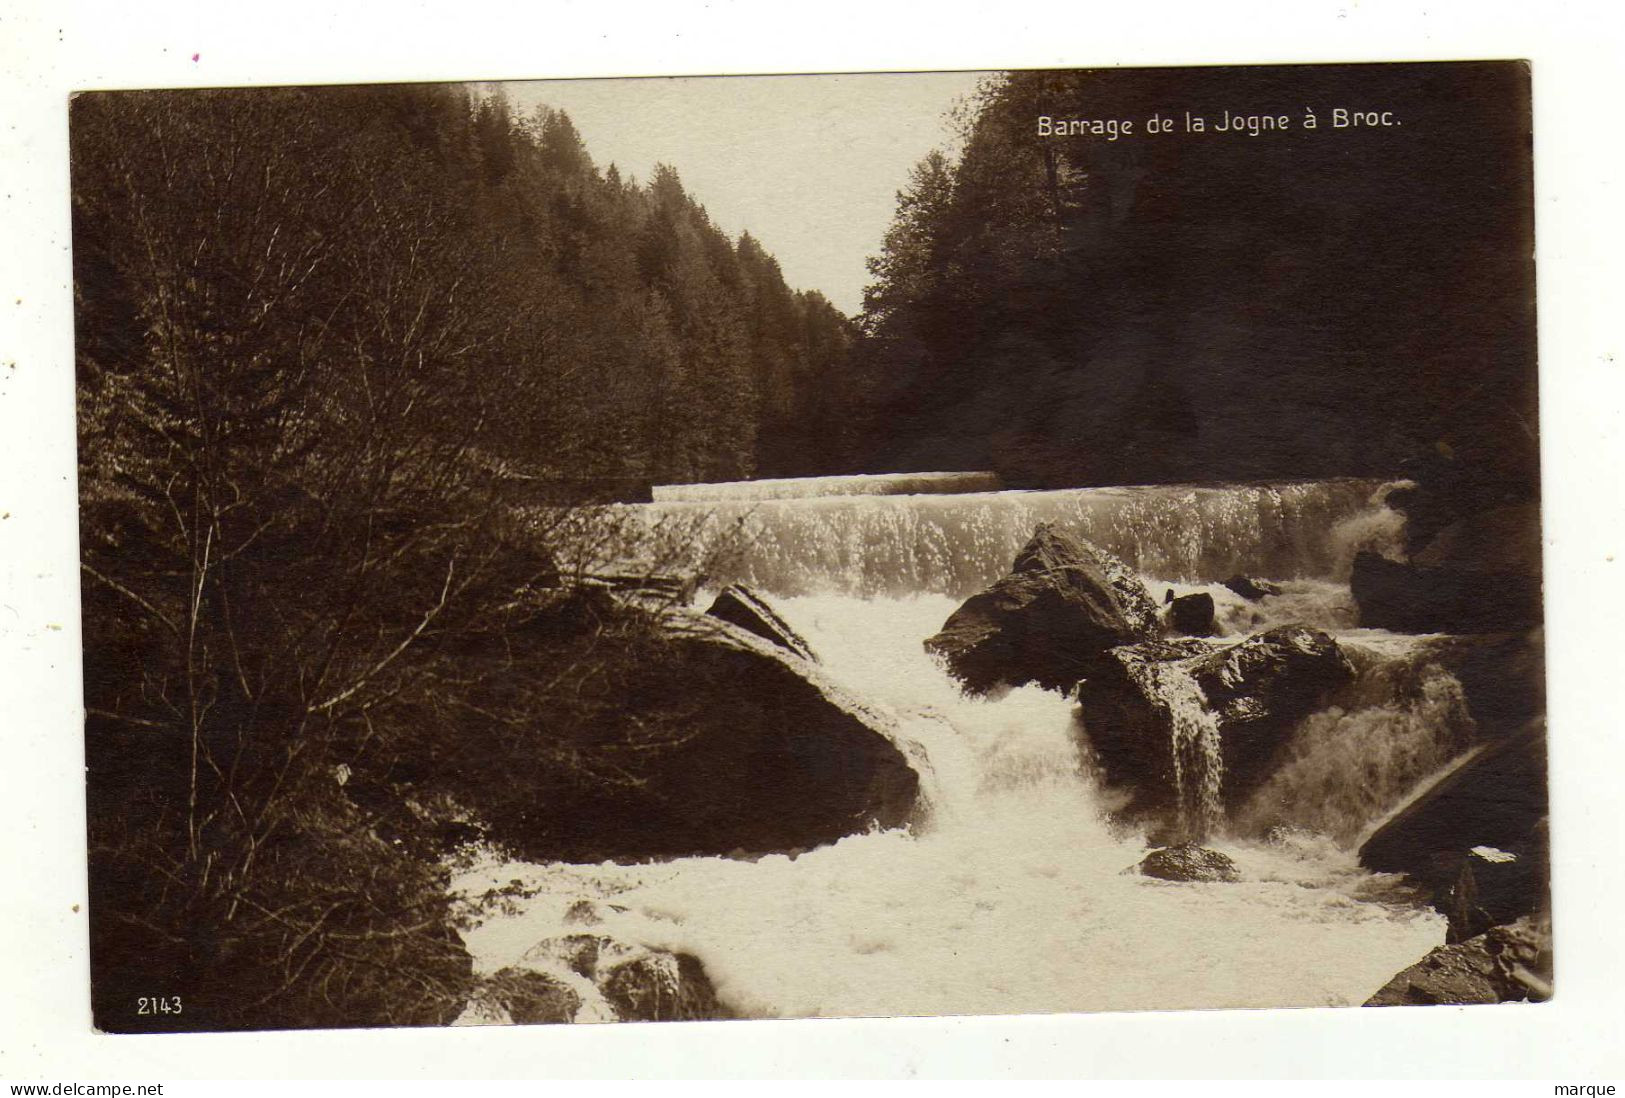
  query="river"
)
[{"x": 1010, "y": 894}]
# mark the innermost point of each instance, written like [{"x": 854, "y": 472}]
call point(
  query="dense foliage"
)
[{"x": 1215, "y": 305}]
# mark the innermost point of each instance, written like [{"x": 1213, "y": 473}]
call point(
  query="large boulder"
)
[
  {"x": 1063, "y": 602},
  {"x": 1508, "y": 964},
  {"x": 655, "y": 737},
  {"x": 1254, "y": 692},
  {"x": 739, "y": 605}
]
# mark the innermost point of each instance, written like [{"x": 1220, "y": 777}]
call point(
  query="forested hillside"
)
[
  {"x": 590, "y": 325},
  {"x": 1215, "y": 304}
]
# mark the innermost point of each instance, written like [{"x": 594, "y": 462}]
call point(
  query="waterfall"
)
[
  {"x": 1401, "y": 721},
  {"x": 956, "y": 544},
  {"x": 1198, "y": 763}
]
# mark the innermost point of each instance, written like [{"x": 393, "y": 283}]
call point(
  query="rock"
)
[
  {"x": 1274, "y": 676},
  {"x": 533, "y": 997},
  {"x": 739, "y": 605},
  {"x": 578, "y": 953},
  {"x": 696, "y": 738},
  {"x": 1496, "y": 799},
  {"x": 636, "y": 983},
  {"x": 583, "y": 913},
  {"x": 1508, "y": 964},
  {"x": 1256, "y": 690},
  {"x": 662, "y": 987},
  {"x": 1251, "y": 589},
  {"x": 1418, "y": 598},
  {"x": 1192, "y": 615},
  {"x": 1492, "y": 887},
  {"x": 1063, "y": 602},
  {"x": 1188, "y": 862}
]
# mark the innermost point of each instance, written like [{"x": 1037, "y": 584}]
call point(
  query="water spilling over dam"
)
[{"x": 956, "y": 544}]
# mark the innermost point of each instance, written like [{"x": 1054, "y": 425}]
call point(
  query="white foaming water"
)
[
  {"x": 1011, "y": 899},
  {"x": 1402, "y": 719},
  {"x": 832, "y": 541}
]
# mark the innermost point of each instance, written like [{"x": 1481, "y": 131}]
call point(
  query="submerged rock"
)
[
  {"x": 1255, "y": 692},
  {"x": 1192, "y": 615},
  {"x": 1188, "y": 862},
  {"x": 1508, "y": 964},
  {"x": 739, "y": 605},
  {"x": 1063, "y": 602},
  {"x": 1251, "y": 589}
]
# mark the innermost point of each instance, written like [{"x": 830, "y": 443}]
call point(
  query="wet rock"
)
[
  {"x": 615, "y": 980},
  {"x": 1192, "y": 615},
  {"x": 1256, "y": 690},
  {"x": 578, "y": 953},
  {"x": 532, "y": 997},
  {"x": 1507, "y": 964},
  {"x": 1492, "y": 887},
  {"x": 1274, "y": 676},
  {"x": 1251, "y": 589},
  {"x": 1063, "y": 602},
  {"x": 1188, "y": 862},
  {"x": 662, "y": 987},
  {"x": 739, "y": 605}
]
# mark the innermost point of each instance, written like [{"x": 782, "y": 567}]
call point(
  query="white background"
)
[{"x": 47, "y": 49}]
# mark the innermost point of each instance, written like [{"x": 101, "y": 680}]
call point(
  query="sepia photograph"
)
[{"x": 811, "y": 546}]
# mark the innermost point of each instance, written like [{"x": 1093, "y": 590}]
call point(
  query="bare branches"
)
[
  {"x": 157, "y": 614},
  {"x": 390, "y": 657}
]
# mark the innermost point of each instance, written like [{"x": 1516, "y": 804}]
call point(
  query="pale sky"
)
[{"x": 810, "y": 165}]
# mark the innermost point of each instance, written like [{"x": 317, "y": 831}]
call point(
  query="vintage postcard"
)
[{"x": 811, "y": 546}]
